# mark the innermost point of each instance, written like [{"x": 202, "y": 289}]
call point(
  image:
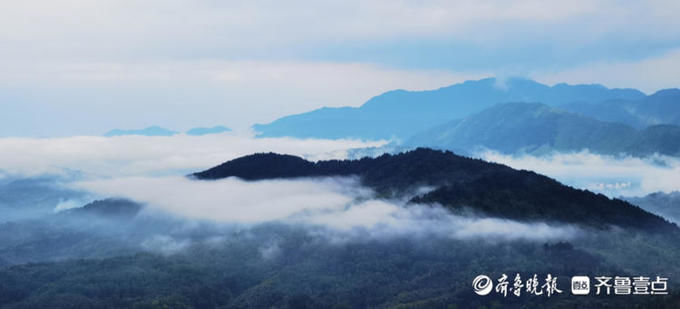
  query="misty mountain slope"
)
[
  {"x": 111, "y": 208},
  {"x": 662, "y": 139},
  {"x": 307, "y": 273},
  {"x": 22, "y": 198},
  {"x": 34, "y": 241},
  {"x": 666, "y": 205},
  {"x": 460, "y": 184},
  {"x": 98, "y": 229},
  {"x": 400, "y": 113},
  {"x": 537, "y": 128},
  {"x": 289, "y": 266},
  {"x": 662, "y": 107}
]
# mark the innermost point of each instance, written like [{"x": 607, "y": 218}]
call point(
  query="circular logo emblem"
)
[{"x": 482, "y": 285}]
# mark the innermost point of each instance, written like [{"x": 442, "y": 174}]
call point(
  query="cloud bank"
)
[
  {"x": 150, "y": 170},
  {"x": 338, "y": 208},
  {"x": 94, "y": 156},
  {"x": 613, "y": 176}
]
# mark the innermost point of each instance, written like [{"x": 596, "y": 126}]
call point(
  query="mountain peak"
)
[
  {"x": 458, "y": 183},
  {"x": 258, "y": 166},
  {"x": 108, "y": 208},
  {"x": 667, "y": 93}
]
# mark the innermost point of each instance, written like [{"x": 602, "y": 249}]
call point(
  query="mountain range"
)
[
  {"x": 148, "y": 131},
  {"x": 160, "y": 131},
  {"x": 537, "y": 128},
  {"x": 400, "y": 113},
  {"x": 512, "y": 116},
  {"x": 663, "y": 204},
  {"x": 662, "y": 107},
  {"x": 458, "y": 183},
  {"x": 105, "y": 254}
]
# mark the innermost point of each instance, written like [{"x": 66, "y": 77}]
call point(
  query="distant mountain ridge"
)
[
  {"x": 537, "y": 129},
  {"x": 666, "y": 205},
  {"x": 205, "y": 131},
  {"x": 459, "y": 183},
  {"x": 148, "y": 131},
  {"x": 160, "y": 131},
  {"x": 662, "y": 107},
  {"x": 399, "y": 113}
]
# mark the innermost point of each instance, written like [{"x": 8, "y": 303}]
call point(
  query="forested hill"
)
[
  {"x": 111, "y": 208},
  {"x": 460, "y": 184}
]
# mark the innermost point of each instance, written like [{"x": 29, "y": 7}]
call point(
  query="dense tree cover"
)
[
  {"x": 528, "y": 197},
  {"x": 459, "y": 182},
  {"x": 308, "y": 271},
  {"x": 67, "y": 235},
  {"x": 108, "y": 254}
]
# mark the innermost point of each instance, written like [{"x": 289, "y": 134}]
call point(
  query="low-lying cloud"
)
[
  {"x": 337, "y": 207},
  {"x": 613, "y": 176},
  {"x": 95, "y": 156},
  {"x": 150, "y": 170}
]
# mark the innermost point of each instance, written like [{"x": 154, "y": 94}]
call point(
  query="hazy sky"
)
[{"x": 87, "y": 66}]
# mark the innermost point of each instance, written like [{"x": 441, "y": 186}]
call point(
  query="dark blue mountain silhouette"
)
[
  {"x": 663, "y": 204},
  {"x": 400, "y": 113},
  {"x": 459, "y": 183},
  {"x": 537, "y": 128},
  {"x": 111, "y": 208},
  {"x": 663, "y": 107}
]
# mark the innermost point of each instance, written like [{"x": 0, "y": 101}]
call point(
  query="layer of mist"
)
[
  {"x": 150, "y": 155},
  {"x": 609, "y": 175},
  {"x": 337, "y": 205}
]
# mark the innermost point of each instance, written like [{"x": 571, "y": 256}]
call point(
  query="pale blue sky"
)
[{"x": 86, "y": 66}]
